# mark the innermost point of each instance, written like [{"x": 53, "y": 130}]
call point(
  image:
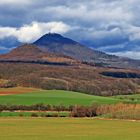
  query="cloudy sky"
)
[{"x": 112, "y": 26}]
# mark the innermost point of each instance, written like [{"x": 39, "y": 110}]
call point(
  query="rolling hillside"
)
[
  {"x": 80, "y": 78},
  {"x": 30, "y": 53},
  {"x": 23, "y": 96}
]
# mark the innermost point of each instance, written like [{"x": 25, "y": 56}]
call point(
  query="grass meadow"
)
[
  {"x": 67, "y": 129},
  {"x": 135, "y": 98},
  {"x": 52, "y": 97}
]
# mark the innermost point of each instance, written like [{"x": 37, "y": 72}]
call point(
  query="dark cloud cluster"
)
[{"x": 112, "y": 26}]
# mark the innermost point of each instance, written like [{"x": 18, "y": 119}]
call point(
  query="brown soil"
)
[
  {"x": 5, "y": 93},
  {"x": 16, "y": 91}
]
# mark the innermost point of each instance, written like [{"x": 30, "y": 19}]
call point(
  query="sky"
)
[{"x": 112, "y": 26}]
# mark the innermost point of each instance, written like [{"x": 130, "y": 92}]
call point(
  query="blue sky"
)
[{"x": 112, "y": 26}]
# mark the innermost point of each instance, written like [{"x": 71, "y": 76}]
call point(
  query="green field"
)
[
  {"x": 29, "y": 114},
  {"x": 129, "y": 98},
  {"x": 55, "y": 97},
  {"x": 67, "y": 129}
]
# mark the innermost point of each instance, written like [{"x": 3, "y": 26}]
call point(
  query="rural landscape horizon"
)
[{"x": 69, "y": 70}]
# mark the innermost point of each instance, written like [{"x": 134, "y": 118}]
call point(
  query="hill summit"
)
[
  {"x": 56, "y": 43},
  {"x": 55, "y": 39}
]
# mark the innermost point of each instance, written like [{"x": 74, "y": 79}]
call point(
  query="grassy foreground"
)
[
  {"x": 53, "y": 97},
  {"x": 67, "y": 129}
]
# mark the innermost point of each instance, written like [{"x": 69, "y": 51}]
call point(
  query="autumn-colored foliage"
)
[{"x": 82, "y": 78}]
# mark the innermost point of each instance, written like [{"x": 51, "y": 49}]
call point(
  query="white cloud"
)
[
  {"x": 92, "y": 11},
  {"x": 3, "y": 48},
  {"x": 106, "y": 48},
  {"x": 29, "y": 33},
  {"x": 134, "y": 33},
  {"x": 15, "y": 2},
  {"x": 129, "y": 54},
  {"x": 6, "y": 32}
]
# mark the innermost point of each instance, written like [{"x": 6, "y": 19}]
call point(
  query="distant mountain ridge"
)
[{"x": 53, "y": 42}]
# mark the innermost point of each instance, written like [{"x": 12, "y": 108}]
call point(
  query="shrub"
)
[
  {"x": 52, "y": 115},
  {"x": 82, "y": 111},
  {"x": 21, "y": 115},
  {"x": 48, "y": 115},
  {"x": 34, "y": 115}
]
